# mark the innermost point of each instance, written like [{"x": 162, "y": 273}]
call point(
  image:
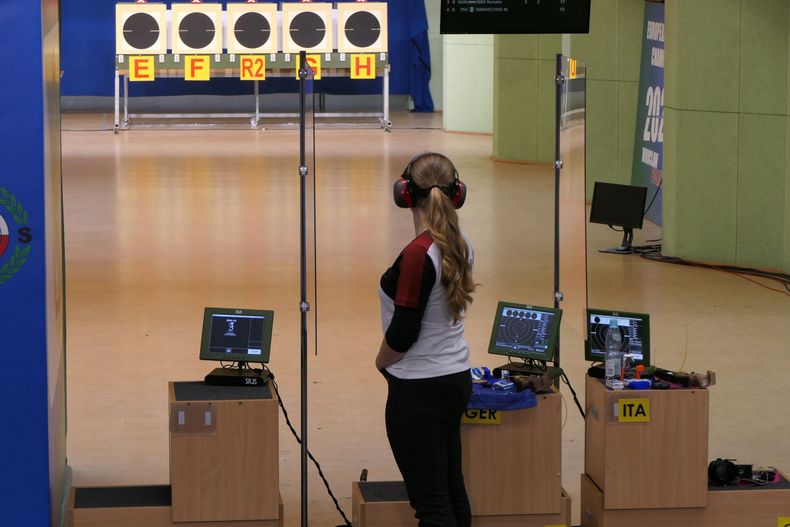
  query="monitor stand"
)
[
  {"x": 625, "y": 246},
  {"x": 241, "y": 376}
]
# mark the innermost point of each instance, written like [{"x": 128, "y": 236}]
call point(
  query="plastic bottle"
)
[{"x": 614, "y": 355}]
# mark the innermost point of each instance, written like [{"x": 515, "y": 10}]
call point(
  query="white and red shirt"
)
[{"x": 414, "y": 314}]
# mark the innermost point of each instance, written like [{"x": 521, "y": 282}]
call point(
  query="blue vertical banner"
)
[
  {"x": 31, "y": 267},
  {"x": 649, "y": 143}
]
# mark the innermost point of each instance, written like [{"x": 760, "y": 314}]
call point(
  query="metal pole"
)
[
  {"x": 560, "y": 80},
  {"x": 117, "y": 100},
  {"x": 126, "y": 100},
  {"x": 303, "y": 306}
]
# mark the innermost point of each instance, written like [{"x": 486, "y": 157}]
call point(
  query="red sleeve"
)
[{"x": 411, "y": 276}]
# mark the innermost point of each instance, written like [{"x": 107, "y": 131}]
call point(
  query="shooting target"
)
[
  {"x": 140, "y": 29},
  {"x": 518, "y": 329},
  {"x": 598, "y": 333},
  {"x": 252, "y": 28},
  {"x": 362, "y": 27},
  {"x": 307, "y": 27},
  {"x": 197, "y": 28}
]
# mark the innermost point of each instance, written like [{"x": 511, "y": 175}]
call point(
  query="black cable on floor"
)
[
  {"x": 567, "y": 381},
  {"x": 309, "y": 454}
]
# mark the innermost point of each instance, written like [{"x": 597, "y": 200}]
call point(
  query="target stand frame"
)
[{"x": 226, "y": 65}]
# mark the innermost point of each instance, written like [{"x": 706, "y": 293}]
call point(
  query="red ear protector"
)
[{"x": 406, "y": 192}]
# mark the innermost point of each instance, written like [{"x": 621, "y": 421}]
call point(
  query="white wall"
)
[{"x": 468, "y": 83}]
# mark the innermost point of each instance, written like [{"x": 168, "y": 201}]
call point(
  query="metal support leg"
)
[
  {"x": 387, "y": 123},
  {"x": 117, "y": 102},
  {"x": 257, "y": 117},
  {"x": 125, "y": 101}
]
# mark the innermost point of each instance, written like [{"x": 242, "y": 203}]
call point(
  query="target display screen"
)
[
  {"x": 634, "y": 331},
  {"x": 529, "y": 332},
  {"x": 236, "y": 335},
  {"x": 514, "y": 16}
]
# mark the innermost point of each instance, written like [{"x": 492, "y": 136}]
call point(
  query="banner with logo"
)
[{"x": 649, "y": 144}]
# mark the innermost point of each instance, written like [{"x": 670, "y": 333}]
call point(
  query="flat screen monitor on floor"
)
[
  {"x": 528, "y": 332},
  {"x": 618, "y": 205},
  {"x": 236, "y": 335},
  {"x": 634, "y": 330}
]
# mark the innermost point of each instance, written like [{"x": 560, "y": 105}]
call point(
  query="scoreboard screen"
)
[{"x": 501, "y": 17}]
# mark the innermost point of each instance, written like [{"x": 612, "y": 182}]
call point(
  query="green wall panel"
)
[
  {"x": 515, "y": 109},
  {"x": 602, "y": 104},
  {"x": 468, "y": 93},
  {"x": 549, "y": 46},
  {"x": 702, "y": 184},
  {"x": 516, "y": 46},
  {"x": 704, "y": 45},
  {"x": 599, "y": 49},
  {"x": 761, "y": 172},
  {"x": 626, "y": 130},
  {"x": 631, "y": 22},
  {"x": 764, "y": 57}
]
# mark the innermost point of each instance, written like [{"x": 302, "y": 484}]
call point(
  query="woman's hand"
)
[{"x": 387, "y": 356}]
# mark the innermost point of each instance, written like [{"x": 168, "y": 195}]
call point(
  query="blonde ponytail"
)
[
  {"x": 437, "y": 173},
  {"x": 456, "y": 268}
]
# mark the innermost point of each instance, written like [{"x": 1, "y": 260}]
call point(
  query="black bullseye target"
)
[
  {"x": 518, "y": 329},
  {"x": 362, "y": 29},
  {"x": 252, "y": 30},
  {"x": 307, "y": 30},
  {"x": 141, "y": 31},
  {"x": 196, "y": 30}
]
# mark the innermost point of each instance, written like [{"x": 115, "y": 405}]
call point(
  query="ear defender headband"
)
[{"x": 407, "y": 193}]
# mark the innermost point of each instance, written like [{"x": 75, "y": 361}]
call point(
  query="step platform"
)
[
  {"x": 727, "y": 507},
  {"x": 386, "y": 504},
  {"x": 136, "y": 506}
]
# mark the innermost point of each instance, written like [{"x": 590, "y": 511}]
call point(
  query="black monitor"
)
[
  {"x": 498, "y": 17},
  {"x": 634, "y": 329},
  {"x": 236, "y": 335},
  {"x": 528, "y": 332},
  {"x": 619, "y": 206}
]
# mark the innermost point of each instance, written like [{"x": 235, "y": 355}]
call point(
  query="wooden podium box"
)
[
  {"x": 224, "y": 446},
  {"x": 515, "y": 468},
  {"x": 137, "y": 506},
  {"x": 647, "y": 449},
  {"x": 385, "y": 504},
  {"x": 735, "y": 507}
]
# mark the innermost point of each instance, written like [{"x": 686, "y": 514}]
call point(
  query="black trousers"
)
[{"x": 424, "y": 429}]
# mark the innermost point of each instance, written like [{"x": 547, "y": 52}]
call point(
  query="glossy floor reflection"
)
[{"x": 160, "y": 223}]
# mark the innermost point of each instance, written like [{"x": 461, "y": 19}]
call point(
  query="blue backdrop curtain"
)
[{"x": 88, "y": 51}]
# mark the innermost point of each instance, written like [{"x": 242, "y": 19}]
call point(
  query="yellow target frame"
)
[
  {"x": 213, "y": 11},
  {"x": 124, "y": 11},
  {"x": 324, "y": 10},
  {"x": 236, "y": 11},
  {"x": 377, "y": 9}
]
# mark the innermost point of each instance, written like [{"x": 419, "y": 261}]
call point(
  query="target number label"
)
[
  {"x": 633, "y": 410},
  {"x": 314, "y": 61},
  {"x": 572, "y": 68},
  {"x": 363, "y": 66},
  {"x": 141, "y": 69},
  {"x": 253, "y": 68},
  {"x": 783, "y": 521},
  {"x": 473, "y": 416},
  {"x": 197, "y": 68}
]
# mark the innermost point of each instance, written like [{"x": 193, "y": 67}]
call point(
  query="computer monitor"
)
[
  {"x": 236, "y": 335},
  {"x": 619, "y": 206},
  {"x": 634, "y": 329},
  {"x": 528, "y": 332}
]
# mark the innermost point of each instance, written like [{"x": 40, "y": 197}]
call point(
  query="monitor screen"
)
[
  {"x": 528, "y": 332},
  {"x": 634, "y": 330},
  {"x": 620, "y": 205},
  {"x": 236, "y": 335},
  {"x": 498, "y": 17}
]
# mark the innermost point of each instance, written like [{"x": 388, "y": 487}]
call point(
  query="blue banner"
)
[{"x": 649, "y": 144}]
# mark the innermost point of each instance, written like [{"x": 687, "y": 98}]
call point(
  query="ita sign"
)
[{"x": 649, "y": 144}]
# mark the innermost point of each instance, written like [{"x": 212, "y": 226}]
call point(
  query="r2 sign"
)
[{"x": 654, "y": 122}]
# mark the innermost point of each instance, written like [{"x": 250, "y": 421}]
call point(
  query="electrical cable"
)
[
  {"x": 299, "y": 440},
  {"x": 567, "y": 381},
  {"x": 654, "y": 198}
]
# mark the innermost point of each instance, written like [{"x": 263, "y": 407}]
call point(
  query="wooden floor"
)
[{"x": 162, "y": 222}]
